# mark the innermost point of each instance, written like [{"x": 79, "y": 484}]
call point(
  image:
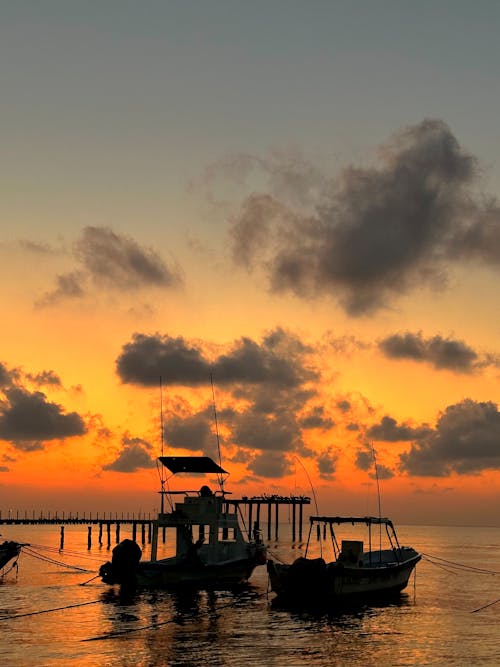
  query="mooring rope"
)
[
  {"x": 490, "y": 604},
  {"x": 52, "y": 561},
  {"x": 47, "y": 611},
  {"x": 276, "y": 557},
  {"x": 430, "y": 558},
  {"x": 67, "y": 552}
]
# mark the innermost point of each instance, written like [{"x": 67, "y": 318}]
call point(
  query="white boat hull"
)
[{"x": 336, "y": 582}]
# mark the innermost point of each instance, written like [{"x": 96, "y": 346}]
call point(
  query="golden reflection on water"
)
[{"x": 431, "y": 624}]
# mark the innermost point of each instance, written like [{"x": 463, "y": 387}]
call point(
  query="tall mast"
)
[
  {"x": 162, "y": 473},
  {"x": 221, "y": 479}
]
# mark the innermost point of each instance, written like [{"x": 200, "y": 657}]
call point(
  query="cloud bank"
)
[
  {"x": 278, "y": 360},
  {"x": 27, "y": 418},
  {"x": 465, "y": 441},
  {"x": 375, "y": 232}
]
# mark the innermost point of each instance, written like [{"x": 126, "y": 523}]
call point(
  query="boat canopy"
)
[{"x": 193, "y": 464}]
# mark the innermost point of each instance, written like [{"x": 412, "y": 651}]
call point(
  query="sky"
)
[{"x": 270, "y": 229}]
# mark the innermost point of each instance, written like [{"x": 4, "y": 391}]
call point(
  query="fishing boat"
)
[
  {"x": 8, "y": 551},
  {"x": 353, "y": 574},
  {"x": 211, "y": 549}
]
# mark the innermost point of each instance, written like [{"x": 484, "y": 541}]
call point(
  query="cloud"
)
[
  {"x": 29, "y": 419},
  {"x": 265, "y": 391},
  {"x": 4, "y": 375},
  {"x": 111, "y": 261},
  {"x": 466, "y": 440},
  {"x": 442, "y": 353},
  {"x": 270, "y": 432},
  {"x": 135, "y": 455},
  {"x": 316, "y": 418},
  {"x": 192, "y": 432},
  {"x": 285, "y": 173},
  {"x": 68, "y": 286},
  {"x": 270, "y": 464},
  {"x": 118, "y": 261},
  {"x": 364, "y": 461},
  {"x": 344, "y": 405},
  {"x": 376, "y": 232},
  {"x": 327, "y": 463},
  {"x": 278, "y": 360},
  {"x": 390, "y": 431},
  {"x": 37, "y": 248},
  {"x": 49, "y": 378}
]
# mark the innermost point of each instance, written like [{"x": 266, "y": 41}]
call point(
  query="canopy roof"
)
[{"x": 194, "y": 464}]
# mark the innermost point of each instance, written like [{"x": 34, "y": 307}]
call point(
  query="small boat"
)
[
  {"x": 211, "y": 549},
  {"x": 353, "y": 575},
  {"x": 8, "y": 551}
]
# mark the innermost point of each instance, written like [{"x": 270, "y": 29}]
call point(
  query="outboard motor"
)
[{"x": 124, "y": 562}]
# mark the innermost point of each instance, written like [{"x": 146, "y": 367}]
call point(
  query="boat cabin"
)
[{"x": 205, "y": 521}]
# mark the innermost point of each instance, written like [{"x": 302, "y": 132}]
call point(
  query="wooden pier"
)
[{"x": 253, "y": 510}]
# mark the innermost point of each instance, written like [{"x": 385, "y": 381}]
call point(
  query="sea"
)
[{"x": 52, "y": 613}]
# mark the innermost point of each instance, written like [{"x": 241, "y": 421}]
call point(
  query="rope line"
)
[
  {"x": 471, "y": 568},
  {"x": 52, "y": 561},
  {"x": 67, "y": 552},
  {"x": 490, "y": 604},
  {"x": 47, "y": 611}
]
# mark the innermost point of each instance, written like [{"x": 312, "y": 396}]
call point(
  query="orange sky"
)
[{"x": 314, "y": 235}]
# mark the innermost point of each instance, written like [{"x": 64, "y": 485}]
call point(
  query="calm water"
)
[{"x": 433, "y": 623}]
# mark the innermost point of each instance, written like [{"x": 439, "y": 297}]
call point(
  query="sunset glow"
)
[{"x": 308, "y": 215}]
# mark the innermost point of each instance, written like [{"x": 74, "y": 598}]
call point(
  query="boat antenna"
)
[
  {"x": 219, "y": 476},
  {"x": 378, "y": 492},
  {"x": 162, "y": 472}
]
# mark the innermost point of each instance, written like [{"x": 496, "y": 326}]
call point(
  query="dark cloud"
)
[
  {"x": 135, "y": 455},
  {"x": 352, "y": 426},
  {"x": 378, "y": 232},
  {"x": 272, "y": 432},
  {"x": 267, "y": 399},
  {"x": 365, "y": 461},
  {"x": 316, "y": 418},
  {"x": 327, "y": 463},
  {"x": 278, "y": 360},
  {"x": 147, "y": 358},
  {"x": 4, "y": 375},
  {"x": 192, "y": 432},
  {"x": 270, "y": 464},
  {"x": 390, "y": 431},
  {"x": 28, "y": 419},
  {"x": 118, "y": 261},
  {"x": 442, "y": 353},
  {"x": 49, "y": 378},
  {"x": 111, "y": 261},
  {"x": 466, "y": 440},
  {"x": 344, "y": 405}
]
